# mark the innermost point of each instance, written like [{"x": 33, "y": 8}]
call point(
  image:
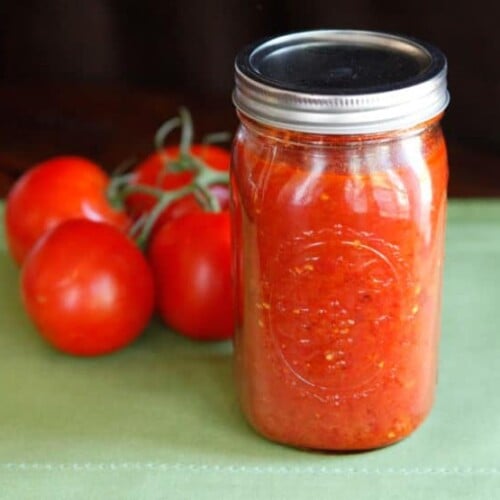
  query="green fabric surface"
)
[{"x": 160, "y": 419}]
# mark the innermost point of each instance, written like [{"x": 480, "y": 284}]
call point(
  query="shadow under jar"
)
[{"x": 338, "y": 185}]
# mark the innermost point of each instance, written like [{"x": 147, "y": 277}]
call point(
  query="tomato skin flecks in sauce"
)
[{"x": 338, "y": 263}]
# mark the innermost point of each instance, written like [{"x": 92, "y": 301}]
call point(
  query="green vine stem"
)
[
  {"x": 204, "y": 176},
  {"x": 165, "y": 198},
  {"x": 187, "y": 132},
  {"x": 216, "y": 138},
  {"x": 114, "y": 192}
]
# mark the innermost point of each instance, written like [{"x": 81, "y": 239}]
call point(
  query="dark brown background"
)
[{"x": 97, "y": 77}]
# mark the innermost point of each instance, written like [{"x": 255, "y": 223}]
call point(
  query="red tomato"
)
[
  {"x": 191, "y": 261},
  {"x": 58, "y": 189},
  {"x": 87, "y": 287},
  {"x": 150, "y": 173}
]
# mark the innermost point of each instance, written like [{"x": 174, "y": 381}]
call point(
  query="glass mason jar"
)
[{"x": 338, "y": 186}]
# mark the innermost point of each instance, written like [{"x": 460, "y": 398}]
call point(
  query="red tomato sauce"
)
[{"x": 338, "y": 277}]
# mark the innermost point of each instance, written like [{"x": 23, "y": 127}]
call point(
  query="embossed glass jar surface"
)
[{"x": 338, "y": 252}]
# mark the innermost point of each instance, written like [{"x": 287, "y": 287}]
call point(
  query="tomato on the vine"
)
[
  {"x": 191, "y": 261},
  {"x": 53, "y": 191},
  {"x": 153, "y": 172},
  {"x": 87, "y": 288}
]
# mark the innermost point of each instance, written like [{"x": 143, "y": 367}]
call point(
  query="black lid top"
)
[{"x": 341, "y": 65}]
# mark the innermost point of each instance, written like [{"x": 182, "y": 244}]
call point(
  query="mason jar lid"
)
[{"x": 341, "y": 82}]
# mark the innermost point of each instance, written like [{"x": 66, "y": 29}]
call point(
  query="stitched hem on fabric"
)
[{"x": 185, "y": 467}]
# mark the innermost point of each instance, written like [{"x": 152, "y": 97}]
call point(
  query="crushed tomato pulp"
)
[{"x": 338, "y": 263}]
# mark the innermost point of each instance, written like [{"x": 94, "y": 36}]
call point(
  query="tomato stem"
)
[
  {"x": 199, "y": 187},
  {"x": 204, "y": 176},
  {"x": 164, "y": 130},
  {"x": 159, "y": 141},
  {"x": 165, "y": 198},
  {"x": 187, "y": 131},
  {"x": 216, "y": 138},
  {"x": 114, "y": 191}
]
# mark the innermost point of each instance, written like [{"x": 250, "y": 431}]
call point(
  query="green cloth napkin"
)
[{"x": 160, "y": 419}]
